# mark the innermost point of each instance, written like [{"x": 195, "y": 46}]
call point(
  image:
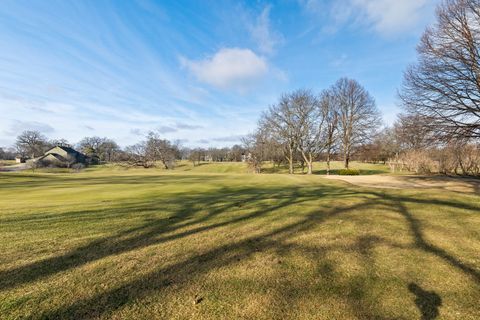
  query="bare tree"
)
[
  {"x": 31, "y": 143},
  {"x": 137, "y": 155},
  {"x": 310, "y": 122},
  {"x": 444, "y": 85},
  {"x": 412, "y": 132},
  {"x": 254, "y": 144},
  {"x": 195, "y": 156},
  {"x": 328, "y": 135},
  {"x": 162, "y": 150},
  {"x": 91, "y": 146},
  {"x": 102, "y": 149},
  {"x": 358, "y": 115},
  {"x": 236, "y": 153},
  {"x": 287, "y": 122},
  {"x": 60, "y": 143}
]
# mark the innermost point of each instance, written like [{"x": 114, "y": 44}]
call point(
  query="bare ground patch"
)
[{"x": 457, "y": 184}]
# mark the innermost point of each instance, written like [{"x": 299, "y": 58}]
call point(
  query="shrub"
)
[
  {"x": 349, "y": 172},
  {"x": 77, "y": 167}
]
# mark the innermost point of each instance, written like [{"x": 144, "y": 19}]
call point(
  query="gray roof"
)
[{"x": 66, "y": 149}]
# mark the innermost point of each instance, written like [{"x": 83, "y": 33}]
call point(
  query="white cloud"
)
[
  {"x": 393, "y": 16},
  {"x": 229, "y": 68},
  {"x": 263, "y": 34},
  {"x": 386, "y": 17}
]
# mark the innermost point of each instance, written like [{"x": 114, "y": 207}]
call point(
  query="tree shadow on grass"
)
[
  {"x": 259, "y": 202},
  {"x": 420, "y": 242},
  {"x": 192, "y": 268},
  {"x": 159, "y": 230},
  {"x": 427, "y": 302}
]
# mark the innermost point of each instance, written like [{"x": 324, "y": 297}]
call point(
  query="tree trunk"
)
[
  {"x": 347, "y": 155},
  {"x": 347, "y": 160},
  {"x": 309, "y": 162},
  {"x": 290, "y": 161},
  {"x": 328, "y": 163}
]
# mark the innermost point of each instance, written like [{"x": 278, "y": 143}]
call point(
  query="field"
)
[{"x": 214, "y": 242}]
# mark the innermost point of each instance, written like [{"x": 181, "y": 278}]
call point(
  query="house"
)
[
  {"x": 61, "y": 157},
  {"x": 20, "y": 159}
]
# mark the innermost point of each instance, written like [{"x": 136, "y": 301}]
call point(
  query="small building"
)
[
  {"x": 20, "y": 159},
  {"x": 61, "y": 157}
]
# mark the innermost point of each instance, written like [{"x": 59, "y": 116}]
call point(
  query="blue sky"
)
[{"x": 199, "y": 71}]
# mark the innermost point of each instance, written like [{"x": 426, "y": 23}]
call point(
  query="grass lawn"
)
[
  {"x": 206, "y": 243},
  {"x": 7, "y": 162}
]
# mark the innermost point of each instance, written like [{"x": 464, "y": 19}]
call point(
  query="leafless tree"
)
[
  {"x": 329, "y": 132},
  {"x": 138, "y": 155},
  {"x": 412, "y": 132},
  {"x": 290, "y": 121},
  {"x": 358, "y": 115},
  {"x": 310, "y": 125},
  {"x": 102, "y": 149},
  {"x": 383, "y": 147},
  {"x": 60, "y": 143},
  {"x": 236, "y": 153},
  {"x": 162, "y": 150},
  {"x": 31, "y": 143},
  {"x": 443, "y": 87},
  {"x": 254, "y": 144},
  {"x": 196, "y": 156}
]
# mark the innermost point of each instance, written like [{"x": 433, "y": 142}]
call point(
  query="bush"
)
[
  {"x": 349, "y": 172},
  {"x": 77, "y": 167}
]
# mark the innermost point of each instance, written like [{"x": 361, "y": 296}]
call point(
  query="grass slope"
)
[{"x": 145, "y": 244}]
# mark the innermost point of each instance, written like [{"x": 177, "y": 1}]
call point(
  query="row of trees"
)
[
  {"x": 236, "y": 153},
  {"x": 32, "y": 144},
  {"x": 147, "y": 153},
  {"x": 304, "y": 127},
  {"x": 440, "y": 96}
]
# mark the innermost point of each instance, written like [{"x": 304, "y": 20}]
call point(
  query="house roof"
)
[
  {"x": 56, "y": 156},
  {"x": 66, "y": 149}
]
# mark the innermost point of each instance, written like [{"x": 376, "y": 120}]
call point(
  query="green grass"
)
[
  {"x": 335, "y": 168},
  {"x": 241, "y": 167},
  {"x": 110, "y": 243}
]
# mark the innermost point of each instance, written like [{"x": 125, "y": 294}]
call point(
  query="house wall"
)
[
  {"x": 51, "y": 160},
  {"x": 68, "y": 156}
]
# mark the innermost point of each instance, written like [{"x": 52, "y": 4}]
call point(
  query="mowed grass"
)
[
  {"x": 319, "y": 168},
  {"x": 7, "y": 163},
  {"x": 152, "y": 244}
]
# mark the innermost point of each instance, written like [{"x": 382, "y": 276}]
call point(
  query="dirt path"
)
[
  {"x": 424, "y": 182},
  {"x": 15, "y": 167}
]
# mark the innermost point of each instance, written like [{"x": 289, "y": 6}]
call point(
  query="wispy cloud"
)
[
  {"x": 137, "y": 132},
  {"x": 392, "y": 16},
  {"x": 266, "y": 38},
  {"x": 166, "y": 129},
  {"x": 386, "y": 17},
  {"x": 232, "y": 138},
  {"x": 19, "y": 126},
  {"x": 186, "y": 126}
]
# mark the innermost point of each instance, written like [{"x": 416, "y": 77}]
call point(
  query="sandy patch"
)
[{"x": 401, "y": 182}]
